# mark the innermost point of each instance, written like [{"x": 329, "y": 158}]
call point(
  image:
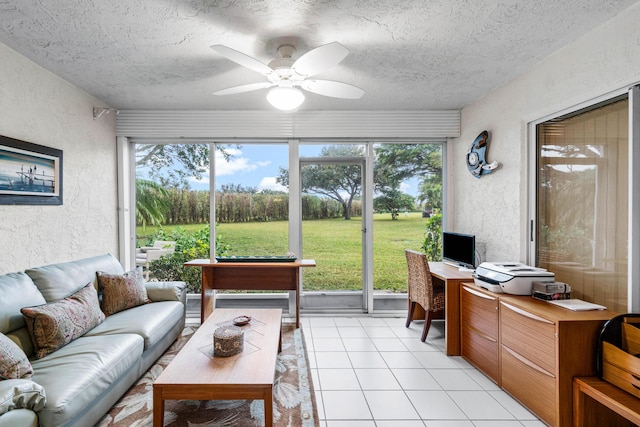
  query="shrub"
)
[
  {"x": 432, "y": 245},
  {"x": 188, "y": 247}
]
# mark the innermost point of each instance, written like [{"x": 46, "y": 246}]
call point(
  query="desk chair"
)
[{"x": 421, "y": 289}]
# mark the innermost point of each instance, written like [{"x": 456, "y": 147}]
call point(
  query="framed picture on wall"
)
[{"x": 30, "y": 174}]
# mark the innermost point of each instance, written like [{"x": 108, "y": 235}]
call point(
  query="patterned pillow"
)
[
  {"x": 14, "y": 363},
  {"x": 122, "y": 291},
  {"x": 58, "y": 323}
]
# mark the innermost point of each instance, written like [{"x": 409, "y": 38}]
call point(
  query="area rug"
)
[{"x": 293, "y": 396}]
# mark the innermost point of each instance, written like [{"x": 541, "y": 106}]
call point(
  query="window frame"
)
[{"x": 127, "y": 190}]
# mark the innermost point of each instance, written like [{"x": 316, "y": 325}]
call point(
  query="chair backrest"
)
[
  {"x": 157, "y": 254},
  {"x": 165, "y": 244},
  {"x": 420, "y": 286}
]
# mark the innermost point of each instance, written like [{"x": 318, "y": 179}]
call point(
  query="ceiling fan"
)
[{"x": 286, "y": 76}]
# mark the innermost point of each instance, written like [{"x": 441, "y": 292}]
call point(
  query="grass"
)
[{"x": 335, "y": 245}]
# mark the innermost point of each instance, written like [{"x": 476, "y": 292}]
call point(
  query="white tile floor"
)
[{"x": 374, "y": 372}]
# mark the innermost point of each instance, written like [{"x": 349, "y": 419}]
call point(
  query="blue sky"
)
[
  {"x": 257, "y": 165},
  {"x": 251, "y": 166}
]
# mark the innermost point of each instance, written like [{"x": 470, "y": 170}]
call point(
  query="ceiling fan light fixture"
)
[{"x": 285, "y": 98}]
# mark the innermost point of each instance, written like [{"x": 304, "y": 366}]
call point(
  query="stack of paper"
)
[{"x": 577, "y": 304}]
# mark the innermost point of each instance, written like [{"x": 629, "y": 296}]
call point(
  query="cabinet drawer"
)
[
  {"x": 530, "y": 335},
  {"x": 479, "y": 311},
  {"x": 531, "y": 385},
  {"x": 481, "y": 351}
]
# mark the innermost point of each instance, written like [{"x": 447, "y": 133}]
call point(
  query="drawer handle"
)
[
  {"x": 526, "y": 313},
  {"x": 635, "y": 379},
  {"x": 482, "y": 334},
  {"x": 528, "y": 362},
  {"x": 478, "y": 294}
]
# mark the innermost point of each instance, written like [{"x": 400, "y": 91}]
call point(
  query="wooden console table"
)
[{"x": 248, "y": 276}]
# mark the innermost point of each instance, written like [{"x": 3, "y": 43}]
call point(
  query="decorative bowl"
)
[{"x": 241, "y": 320}]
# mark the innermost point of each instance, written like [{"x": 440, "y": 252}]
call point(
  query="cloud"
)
[
  {"x": 269, "y": 183},
  {"x": 201, "y": 184},
  {"x": 236, "y": 164}
]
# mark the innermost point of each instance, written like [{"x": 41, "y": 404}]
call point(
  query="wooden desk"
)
[
  {"x": 452, "y": 278},
  {"x": 599, "y": 403},
  {"x": 248, "y": 276}
]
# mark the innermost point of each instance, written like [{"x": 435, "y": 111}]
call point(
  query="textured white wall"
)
[
  {"x": 39, "y": 107},
  {"x": 494, "y": 207}
]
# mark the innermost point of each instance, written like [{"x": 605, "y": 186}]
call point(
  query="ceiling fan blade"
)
[
  {"x": 333, "y": 89},
  {"x": 243, "y": 88},
  {"x": 320, "y": 59},
  {"x": 242, "y": 59}
]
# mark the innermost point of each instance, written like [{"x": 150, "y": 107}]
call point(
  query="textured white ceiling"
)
[{"x": 406, "y": 54}]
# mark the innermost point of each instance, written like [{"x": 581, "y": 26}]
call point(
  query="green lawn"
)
[{"x": 335, "y": 244}]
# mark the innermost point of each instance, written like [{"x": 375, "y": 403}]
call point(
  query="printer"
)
[{"x": 510, "y": 277}]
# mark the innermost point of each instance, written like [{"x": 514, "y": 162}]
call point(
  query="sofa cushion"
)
[
  {"x": 21, "y": 394},
  {"x": 14, "y": 363},
  {"x": 82, "y": 371},
  {"x": 121, "y": 291},
  {"x": 56, "y": 324},
  {"x": 165, "y": 291},
  {"x": 159, "y": 319},
  {"x": 56, "y": 281},
  {"x": 17, "y": 290}
]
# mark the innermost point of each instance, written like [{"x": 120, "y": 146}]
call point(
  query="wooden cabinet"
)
[
  {"x": 479, "y": 330},
  {"x": 542, "y": 347},
  {"x": 532, "y": 349}
]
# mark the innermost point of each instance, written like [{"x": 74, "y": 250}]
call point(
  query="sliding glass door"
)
[
  {"x": 333, "y": 232},
  {"x": 582, "y": 189}
]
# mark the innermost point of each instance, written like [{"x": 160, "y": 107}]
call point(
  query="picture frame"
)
[{"x": 30, "y": 174}]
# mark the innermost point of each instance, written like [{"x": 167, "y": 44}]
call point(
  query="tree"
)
[
  {"x": 237, "y": 188},
  {"x": 431, "y": 193},
  {"x": 152, "y": 202},
  {"x": 393, "y": 201},
  {"x": 340, "y": 182},
  {"x": 191, "y": 159},
  {"x": 397, "y": 162},
  {"x": 173, "y": 164}
]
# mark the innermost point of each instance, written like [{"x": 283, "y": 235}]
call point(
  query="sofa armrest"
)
[
  {"x": 166, "y": 291},
  {"x": 21, "y": 394}
]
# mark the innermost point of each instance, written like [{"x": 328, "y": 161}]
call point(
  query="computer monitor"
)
[{"x": 459, "y": 250}]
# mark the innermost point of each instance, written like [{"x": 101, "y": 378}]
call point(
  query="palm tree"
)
[{"x": 151, "y": 202}]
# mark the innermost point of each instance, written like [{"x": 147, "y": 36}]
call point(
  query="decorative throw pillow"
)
[
  {"x": 58, "y": 323},
  {"x": 122, "y": 291},
  {"x": 14, "y": 363}
]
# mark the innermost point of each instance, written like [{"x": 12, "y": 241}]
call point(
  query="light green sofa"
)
[{"x": 86, "y": 377}]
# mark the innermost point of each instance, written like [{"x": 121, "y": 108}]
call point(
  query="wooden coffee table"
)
[{"x": 195, "y": 374}]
